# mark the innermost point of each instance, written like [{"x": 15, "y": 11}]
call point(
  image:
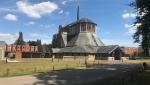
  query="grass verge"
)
[{"x": 32, "y": 66}]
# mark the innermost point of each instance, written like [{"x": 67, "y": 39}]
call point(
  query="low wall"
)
[
  {"x": 124, "y": 58},
  {"x": 111, "y": 58},
  {"x": 89, "y": 57}
]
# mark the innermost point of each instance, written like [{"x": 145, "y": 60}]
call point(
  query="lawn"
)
[
  {"x": 36, "y": 65},
  {"x": 31, "y": 66},
  {"x": 142, "y": 79}
]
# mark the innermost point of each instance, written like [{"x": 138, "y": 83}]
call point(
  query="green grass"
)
[{"x": 31, "y": 66}]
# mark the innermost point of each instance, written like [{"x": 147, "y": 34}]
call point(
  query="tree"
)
[
  {"x": 20, "y": 40},
  {"x": 46, "y": 47},
  {"x": 142, "y": 35}
]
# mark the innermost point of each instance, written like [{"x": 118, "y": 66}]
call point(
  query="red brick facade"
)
[
  {"x": 22, "y": 48},
  {"x": 19, "y": 49},
  {"x": 129, "y": 51},
  {"x": 18, "y": 55}
]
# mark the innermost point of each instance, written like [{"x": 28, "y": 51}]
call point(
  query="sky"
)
[{"x": 40, "y": 19}]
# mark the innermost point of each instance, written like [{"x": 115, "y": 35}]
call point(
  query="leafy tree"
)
[
  {"x": 142, "y": 35},
  {"x": 39, "y": 44},
  {"x": 20, "y": 40},
  {"x": 46, "y": 47}
]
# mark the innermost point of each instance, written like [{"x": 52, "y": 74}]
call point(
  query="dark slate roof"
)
[
  {"x": 85, "y": 39},
  {"x": 78, "y": 49},
  {"x": 86, "y": 20},
  {"x": 107, "y": 49},
  {"x": 55, "y": 50},
  {"x": 64, "y": 37},
  {"x": 88, "y": 49},
  {"x": 2, "y": 42}
]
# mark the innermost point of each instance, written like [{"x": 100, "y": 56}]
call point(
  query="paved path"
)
[{"x": 74, "y": 76}]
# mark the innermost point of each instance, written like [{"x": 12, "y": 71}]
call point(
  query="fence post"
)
[
  {"x": 53, "y": 68},
  {"x": 35, "y": 69},
  {"x": 66, "y": 66},
  {"x": 7, "y": 71},
  {"x": 145, "y": 66}
]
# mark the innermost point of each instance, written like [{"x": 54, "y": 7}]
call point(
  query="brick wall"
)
[
  {"x": 22, "y": 48},
  {"x": 19, "y": 49},
  {"x": 18, "y": 55}
]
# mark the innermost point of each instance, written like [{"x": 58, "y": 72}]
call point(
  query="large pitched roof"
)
[
  {"x": 78, "y": 49},
  {"x": 85, "y": 39},
  {"x": 107, "y": 49},
  {"x": 64, "y": 37},
  {"x": 55, "y": 50},
  {"x": 87, "y": 49}
]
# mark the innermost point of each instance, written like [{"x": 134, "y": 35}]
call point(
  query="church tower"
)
[{"x": 82, "y": 32}]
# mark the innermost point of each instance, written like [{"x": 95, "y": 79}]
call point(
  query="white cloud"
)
[
  {"x": 11, "y": 17},
  {"x": 64, "y": 2},
  {"x": 61, "y": 12},
  {"x": 7, "y": 10},
  {"x": 46, "y": 41},
  {"x": 132, "y": 28},
  {"x": 8, "y": 38},
  {"x": 36, "y": 10},
  {"x": 133, "y": 15},
  {"x": 38, "y": 35},
  {"x": 126, "y": 14},
  {"x": 129, "y": 15},
  {"x": 44, "y": 38},
  {"x": 46, "y": 25},
  {"x": 120, "y": 42},
  {"x": 30, "y": 23},
  {"x": 67, "y": 13}
]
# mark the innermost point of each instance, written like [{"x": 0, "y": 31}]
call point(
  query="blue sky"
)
[{"x": 39, "y": 19}]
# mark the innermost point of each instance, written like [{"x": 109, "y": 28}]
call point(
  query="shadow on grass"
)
[
  {"x": 70, "y": 76},
  {"x": 60, "y": 77},
  {"x": 142, "y": 79},
  {"x": 88, "y": 76}
]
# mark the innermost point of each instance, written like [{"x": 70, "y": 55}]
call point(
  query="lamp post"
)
[
  {"x": 148, "y": 47},
  {"x": 148, "y": 52}
]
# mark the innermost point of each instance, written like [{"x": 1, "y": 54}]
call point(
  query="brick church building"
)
[{"x": 79, "y": 39}]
